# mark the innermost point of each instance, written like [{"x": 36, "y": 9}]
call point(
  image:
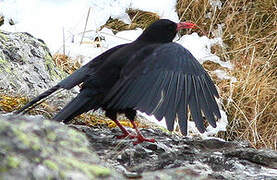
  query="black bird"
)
[{"x": 151, "y": 74}]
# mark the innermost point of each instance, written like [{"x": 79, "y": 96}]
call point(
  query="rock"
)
[
  {"x": 175, "y": 174},
  {"x": 26, "y": 65},
  {"x": 175, "y": 157},
  {"x": 27, "y": 69},
  {"x": 264, "y": 157},
  {"x": 36, "y": 148}
]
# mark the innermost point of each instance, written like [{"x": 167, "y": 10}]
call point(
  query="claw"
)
[
  {"x": 141, "y": 139},
  {"x": 126, "y": 134}
]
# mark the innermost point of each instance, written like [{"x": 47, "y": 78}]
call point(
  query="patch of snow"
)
[
  {"x": 200, "y": 47},
  {"x": 48, "y": 19},
  {"x": 218, "y": 33},
  {"x": 223, "y": 75},
  {"x": 164, "y": 8},
  {"x": 216, "y": 4},
  {"x": 154, "y": 120}
]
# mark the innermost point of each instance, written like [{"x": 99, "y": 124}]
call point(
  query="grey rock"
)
[
  {"x": 261, "y": 156},
  {"x": 27, "y": 68},
  {"x": 26, "y": 65},
  {"x": 176, "y": 157},
  {"x": 36, "y": 148}
]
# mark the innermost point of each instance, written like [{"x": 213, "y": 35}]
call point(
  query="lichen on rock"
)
[
  {"x": 26, "y": 65},
  {"x": 29, "y": 146}
]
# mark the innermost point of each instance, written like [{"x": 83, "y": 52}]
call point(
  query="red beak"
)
[{"x": 186, "y": 25}]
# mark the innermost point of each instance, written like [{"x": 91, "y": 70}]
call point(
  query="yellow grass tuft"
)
[
  {"x": 96, "y": 120},
  {"x": 10, "y": 103}
]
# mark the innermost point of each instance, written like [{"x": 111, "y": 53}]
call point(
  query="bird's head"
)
[{"x": 164, "y": 30}]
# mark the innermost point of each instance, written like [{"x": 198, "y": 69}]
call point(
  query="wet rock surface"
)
[{"x": 174, "y": 157}]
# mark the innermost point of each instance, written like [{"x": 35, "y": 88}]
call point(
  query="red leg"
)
[
  {"x": 125, "y": 132},
  {"x": 140, "y": 137}
]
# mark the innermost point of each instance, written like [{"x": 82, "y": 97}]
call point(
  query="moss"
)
[
  {"x": 74, "y": 147},
  {"x": 28, "y": 140},
  {"x": 3, "y": 36},
  {"x": 76, "y": 137},
  {"x": 3, "y": 169},
  {"x": 3, "y": 61},
  {"x": 36, "y": 159},
  {"x": 13, "y": 162},
  {"x": 48, "y": 150},
  {"x": 50, "y": 66},
  {"x": 46, "y": 123},
  {"x": 51, "y": 165},
  {"x": 78, "y": 149},
  {"x": 36, "y": 147},
  {"x": 22, "y": 136},
  {"x": 3, "y": 125},
  {"x": 88, "y": 169},
  {"x": 51, "y": 136},
  {"x": 99, "y": 170},
  {"x": 64, "y": 143},
  {"x": 7, "y": 68}
]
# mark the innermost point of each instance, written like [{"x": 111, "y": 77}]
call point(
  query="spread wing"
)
[{"x": 165, "y": 84}]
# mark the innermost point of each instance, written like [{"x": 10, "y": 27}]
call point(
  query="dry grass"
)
[
  {"x": 65, "y": 63},
  {"x": 250, "y": 34},
  {"x": 139, "y": 19},
  {"x": 1, "y": 20},
  {"x": 96, "y": 120},
  {"x": 10, "y": 103}
]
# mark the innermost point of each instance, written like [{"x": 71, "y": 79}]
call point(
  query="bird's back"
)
[{"x": 106, "y": 74}]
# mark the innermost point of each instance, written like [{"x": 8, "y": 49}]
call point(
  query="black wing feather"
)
[
  {"x": 205, "y": 104},
  {"x": 182, "y": 106},
  {"x": 167, "y": 82},
  {"x": 152, "y": 90},
  {"x": 210, "y": 93},
  {"x": 87, "y": 70},
  {"x": 194, "y": 106},
  {"x": 173, "y": 101}
]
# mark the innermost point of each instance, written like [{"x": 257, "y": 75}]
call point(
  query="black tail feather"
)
[
  {"x": 37, "y": 99},
  {"x": 80, "y": 104}
]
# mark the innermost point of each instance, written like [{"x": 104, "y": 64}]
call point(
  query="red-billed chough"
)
[{"x": 151, "y": 74}]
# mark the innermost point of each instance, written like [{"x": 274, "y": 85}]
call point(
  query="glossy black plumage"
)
[{"x": 152, "y": 74}]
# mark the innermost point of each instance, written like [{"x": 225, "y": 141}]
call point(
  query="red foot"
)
[
  {"x": 141, "y": 139},
  {"x": 126, "y": 135},
  {"x": 139, "y": 136}
]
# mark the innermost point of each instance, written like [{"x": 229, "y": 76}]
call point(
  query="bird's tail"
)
[
  {"x": 37, "y": 99},
  {"x": 83, "y": 102}
]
